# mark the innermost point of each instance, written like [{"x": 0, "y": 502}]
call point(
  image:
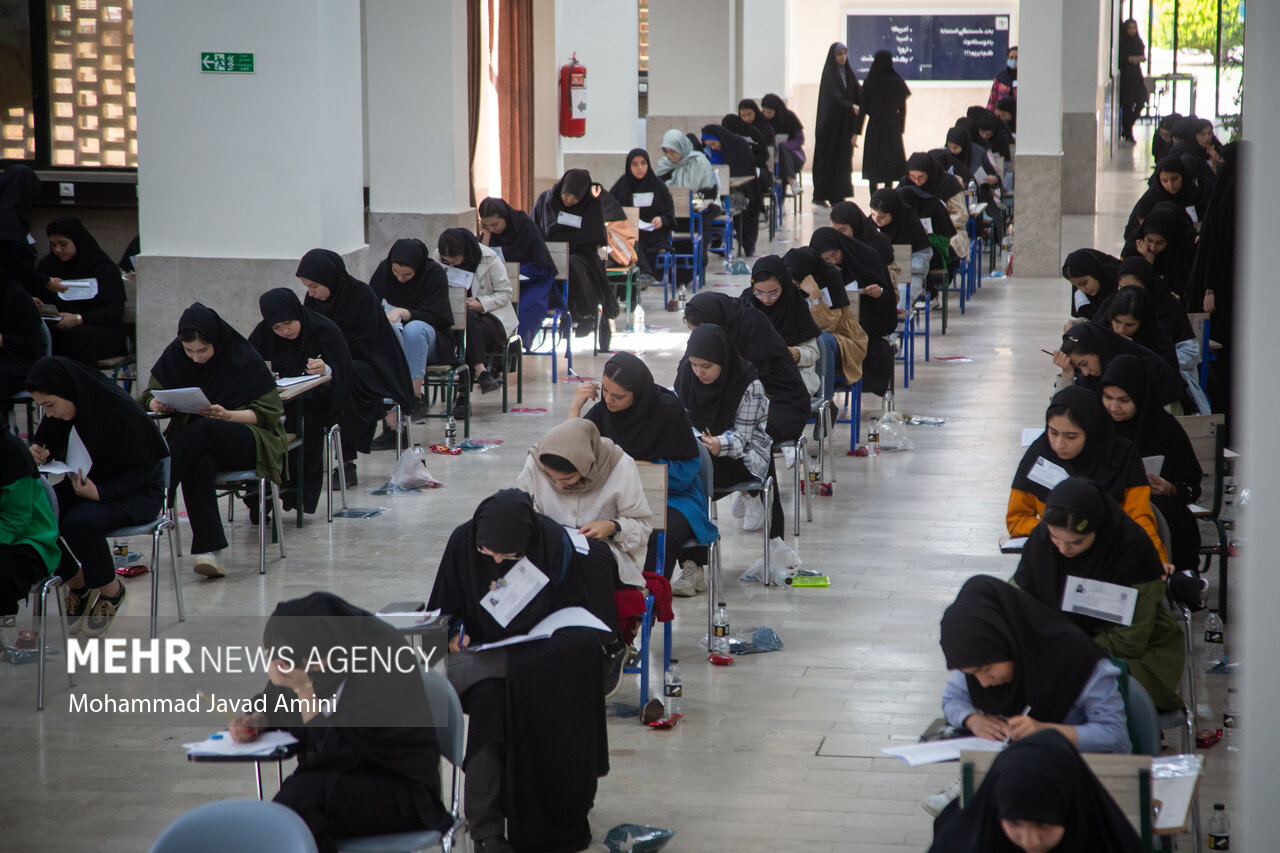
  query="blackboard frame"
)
[{"x": 868, "y": 30}]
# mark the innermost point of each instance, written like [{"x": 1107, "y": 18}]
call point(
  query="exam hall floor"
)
[{"x": 779, "y": 752}]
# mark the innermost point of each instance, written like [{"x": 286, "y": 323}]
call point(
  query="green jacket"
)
[
  {"x": 26, "y": 518},
  {"x": 1153, "y": 646}
]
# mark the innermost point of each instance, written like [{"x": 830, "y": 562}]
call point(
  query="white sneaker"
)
[
  {"x": 209, "y": 566},
  {"x": 698, "y": 573},
  {"x": 753, "y": 518},
  {"x": 789, "y": 456},
  {"x": 739, "y": 506},
  {"x": 683, "y": 586},
  {"x": 935, "y": 803}
]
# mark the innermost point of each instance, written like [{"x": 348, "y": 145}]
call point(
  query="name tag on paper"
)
[
  {"x": 1047, "y": 473},
  {"x": 642, "y": 199},
  {"x": 1191, "y": 211},
  {"x": 459, "y": 277},
  {"x": 513, "y": 593},
  {"x": 570, "y": 219},
  {"x": 580, "y": 543},
  {"x": 1099, "y": 599},
  {"x": 1080, "y": 299},
  {"x": 928, "y": 225},
  {"x": 31, "y": 241}
]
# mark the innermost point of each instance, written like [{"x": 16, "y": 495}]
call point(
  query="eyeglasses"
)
[
  {"x": 767, "y": 295},
  {"x": 503, "y": 557}
]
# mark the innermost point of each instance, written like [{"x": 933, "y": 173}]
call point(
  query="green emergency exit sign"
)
[{"x": 226, "y": 63}]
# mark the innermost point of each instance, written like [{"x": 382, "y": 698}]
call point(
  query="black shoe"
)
[
  {"x": 349, "y": 469},
  {"x": 1189, "y": 590},
  {"x": 487, "y": 383},
  {"x": 492, "y": 844},
  {"x": 252, "y": 505},
  {"x": 460, "y": 408},
  {"x": 387, "y": 440},
  {"x": 615, "y": 657},
  {"x": 420, "y": 410}
]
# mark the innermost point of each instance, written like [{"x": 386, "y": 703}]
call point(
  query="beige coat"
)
[{"x": 493, "y": 288}]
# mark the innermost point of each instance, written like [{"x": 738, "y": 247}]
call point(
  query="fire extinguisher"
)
[{"x": 573, "y": 98}]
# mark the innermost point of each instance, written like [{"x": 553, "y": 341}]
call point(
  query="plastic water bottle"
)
[
  {"x": 873, "y": 438},
  {"x": 1214, "y": 641},
  {"x": 1219, "y": 829},
  {"x": 637, "y": 319},
  {"x": 720, "y": 630},
  {"x": 1231, "y": 721},
  {"x": 673, "y": 689},
  {"x": 451, "y": 433}
]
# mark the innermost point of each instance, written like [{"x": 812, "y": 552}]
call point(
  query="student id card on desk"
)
[
  {"x": 513, "y": 592},
  {"x": 1099, "y": 599}
]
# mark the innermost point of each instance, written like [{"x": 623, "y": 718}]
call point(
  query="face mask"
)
[{"x": 1012, "y": 63}]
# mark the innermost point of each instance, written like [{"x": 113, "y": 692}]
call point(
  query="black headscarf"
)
[
  {"x": 625, "y": 188},
  {"x": 961, "y": 165},
  {"x": 864, "y": 231},
  {"x": 89, "y": 262},
  {"x": 1153, "y": 431},
  {"x": 115, "y": 430},
  {"x": 1009, "y": 105},
  {"x": 1170, "y": 312},
  {"x": 520, "y": 241},
  {"x": 938, "y": 184},
  {"x": 18, "y": 187},
  {"x": 318, "y": 336},
  {"x": 713, "y": 406},
  {"x": 803, "y": 261},
  {"x": 992, "y": 621},
  {"x": 1172, "y": 223},
  {"x": 1159, "y": 145},
  {"x": 585, "y": 239},
  {"x": 1094, "y": 339},
  {"x": 760, "y": 123},
  {"x": 1136, "y": 302},
  {"x": 1041, "y": 779},
  {"x": 1121, "y": 554},
  {"x": 1102, "y": 267},
  {"x": 1106, "y": 459},
  {"x": 655, "y": 425},
  {"x": 426, "y": 295},
  {"x": 735, "y": 150},
  {"x": 878, "y": 315},
  {"x": 784, "y": 121},
  {"x": 904, "y": 227},
  {"x": 354, "y": 309},
  {"x": 789, "y": 313},
  {"x": 234, "y": 377},
  {"x": 836, "y": 94},
  {"x": 471, "y": 253}
]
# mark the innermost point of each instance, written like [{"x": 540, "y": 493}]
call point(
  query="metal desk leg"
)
[
  {"x": 300, "y": 476},
  {"x": 257, "y": 775}
]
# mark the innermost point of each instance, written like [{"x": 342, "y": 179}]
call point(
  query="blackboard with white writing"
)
[{"x": 931, "y": 47}]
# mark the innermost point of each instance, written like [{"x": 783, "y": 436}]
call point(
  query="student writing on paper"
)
[
  {"x": 640, "y": 187},
  {"x": 1039, "y": 795},
  {"x": 369, "y": 755},
  {"x": 843, "y": 340},
  {"x": 877, "y": 305},
  {"x": 1093, "y": 277},
  {"x": 18, "y": 187},
  {"x": 21, "y": 339},
  {"x": 242, "y": 429},
  {"x": 121, "y": 485},
  {"x": 89, "y": 329},
  {"x": 1155, "y": 432},
  {"x": 379, "y": 371},
  {"x": 416, "y": 291},
  {"x": 28, "y": 527},
  {"x": 925, "y": 180},
  {"x": 491, "y": 319},
  {"x": 900, "y": 225},
  {"x": 1019, "y": 667},
  {"x": 503, "y": 227},
  {"x": 589, "y": 483},
  {"x": 1085, "y": 534},
  {"x": 1167, "y": 239},
  {"x": 847, "y": 218},
  {"x": 297, "y": 341},
  {"x": 1080, "y": 441},
  {"x": 571, "y": 212},
  {"x": 537, "y": 741},
  {"x": 649, "y": 423},
  {"x": 773, "y": 294},
  {"x": 1087, "y": 349}
]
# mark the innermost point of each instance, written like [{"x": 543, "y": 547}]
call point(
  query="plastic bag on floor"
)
[
  {"x": 783, "y": 563},
  {"x": 754, "y": 641},
  {"x": 632, "y": 838},
  {"x": 410, "y": 475},
  {"x": 893, "y": 433}
]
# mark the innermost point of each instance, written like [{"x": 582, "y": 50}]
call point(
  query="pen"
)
[
  {"x": 1046, "y": 352},
  {"x": 1025, "y": 711},
  {"x": 462, "y": 632}
]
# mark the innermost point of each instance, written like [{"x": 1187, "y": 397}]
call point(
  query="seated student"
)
[
  {"x": 571, "y": 212},
  {"x": 516, "y": 238},
  {"x": 726, "y": 403},
  {"x": 725, "y": 146},
  {"x": 900, "y": 224},
  {"x": 1168, "y": 241},
  {"x": 1093, "y": 277},
  {"x": 243, "y": 427},
  {"x": 1155, "y": 432},
  {"x": 1087, "y": 349},
  {"x": 369, "y": 757},
  {"x": 18, "y": 187},
  {"x": 379, "y": 371},
  {"x": 1079, "y": 440},
  {"x": 1129, "y": 313},
  {"x": 650, "y": 424},
  {"x": 1007, "y": 111},
  {"x": 959, "y": 157},
  {"x": 772, "y": 292},
  {"x": 1162, "y": 139},
  {"x": 123, "y": 486},
  {"x": 21, "y": 341},
  {"x": 589, "y": 483},
  {"x": 847, "y": 218},
  {"x": 28, "y": 527},
  {"x": 683, "y": 165},
  {"x": 758, "y": 342},
  {"x": 788, "y": 131},
  {"x": 1039, "y": 795},
  {"x": 1018, "y": 668},
  {"x": 926, "y": 180},
  {"x": 1175, "y": 182},
  {"x": 532, "y": 765},
  {"x": 760, "y": 146},
  {"x": 864, "y": 271},
  {"x": 1085, "y": 534},
  {"x": 1187, "y": 140},
  {"x": 843, "y": 340},
  {"x": 90, "y": 329},
  {"x": 491, "y": 319},
  {"x": 415, "y": 296},
  {"x": 297, "y": 341},
  {"x": 640, "y": 187}
]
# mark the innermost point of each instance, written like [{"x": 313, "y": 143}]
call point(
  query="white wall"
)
[
  {"x": 764, "y": 39},
  {"x": 263, "y": 165},
  {"x": 605, "y": 35},
  {"x": 1040, "y": 70},
  {"x": 692, "y": 57}
]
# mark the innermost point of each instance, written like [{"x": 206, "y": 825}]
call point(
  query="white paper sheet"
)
[
  {"x": 642, "y": 199},
  {"x": 1153, "y": 464},
  {"x": 928, "y": 225},
  {"x": 934, "y": 751},
  {"x": 1013, "y": 545},
  {"x": 497, "y": 250},
  {"x": 516, "y": 589},
  {"x": 78, "y": 458},
  {"x": 1191, "y": 211},
  {"x": 189, "y": 400},
  {"x": 79, "y": 289},
  {"x": 56, "y": 467},
  {"x": 413, "y": 619},
  {"x": 569, "y": 617},
  {"x": 287, "y": 381},
  {"x": 570, "y": 219},
  {"x": 645, "y": 226},
  {"x": 1079, "y": 299},
  {"x": 1099, "y": 599},
  {"x": 222, "y": 744},
  {"x": 459, "y": 277},
  {"x": 979, "y": 174},
  {"x": 580, "y": 543},
  {"x": 1046, "y": 473}
]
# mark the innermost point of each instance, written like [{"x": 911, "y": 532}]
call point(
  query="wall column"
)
[
  {"x": 1080, "y": 106},
  {"x": 1038, "y": 188},
  {"x": 240, "y": 174},
  {"x": 419, "y": 169},
  {"x": 694, "y": 76}
]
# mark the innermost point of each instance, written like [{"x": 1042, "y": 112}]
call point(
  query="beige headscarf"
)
[{"x": 579, "y": 441}]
